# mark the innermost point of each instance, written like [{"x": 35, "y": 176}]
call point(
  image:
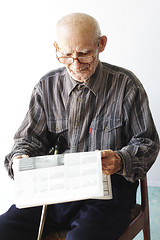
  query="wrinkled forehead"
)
[{"x": 73, "y": 38}]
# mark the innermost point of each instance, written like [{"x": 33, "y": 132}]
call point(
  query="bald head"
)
[{"x": 78, "y": 24}]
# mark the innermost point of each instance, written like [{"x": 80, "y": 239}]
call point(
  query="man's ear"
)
[
  {"x": 102, "y": 43},
  {"x": 55, "y": 44}
]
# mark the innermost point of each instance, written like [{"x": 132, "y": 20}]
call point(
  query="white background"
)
[{"x": 27, "y": 32}]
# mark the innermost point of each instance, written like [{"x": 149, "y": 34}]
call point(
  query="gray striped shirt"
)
[{"x": 109, "y": 111}]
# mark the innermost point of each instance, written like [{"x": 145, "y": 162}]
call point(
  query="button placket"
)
[
  {"x": 79, "y": 101},
  {"x": 76, "y": 111}
]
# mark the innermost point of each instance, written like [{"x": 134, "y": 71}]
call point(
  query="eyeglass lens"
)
[{"x": 69, "y": 60}]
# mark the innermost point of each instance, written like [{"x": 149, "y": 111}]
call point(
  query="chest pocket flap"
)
[
  {"x": 108, "y": 124},
  {"x": 58, "y": 126}
]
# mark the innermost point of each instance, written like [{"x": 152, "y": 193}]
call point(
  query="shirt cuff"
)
[{"x": 127, "y": 167}]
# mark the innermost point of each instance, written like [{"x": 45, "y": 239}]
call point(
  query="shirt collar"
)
[
  {"x": 70, "y": 83},
  {"x": 93, "y": 83}
]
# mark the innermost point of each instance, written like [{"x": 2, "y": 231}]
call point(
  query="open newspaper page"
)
[{"x": 60, "y": 178}]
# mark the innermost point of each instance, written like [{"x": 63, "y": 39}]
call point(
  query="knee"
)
[
  {"x": 79, "y": 234},
  {"x": 4, "y": 228}
]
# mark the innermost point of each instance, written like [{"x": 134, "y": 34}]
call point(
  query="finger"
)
[
  {"x": 21, "y": 156},
  {"x": 106, "y": 153},
  {"x": 112, "y": 163},
  {"x": 107, "y": 171}
]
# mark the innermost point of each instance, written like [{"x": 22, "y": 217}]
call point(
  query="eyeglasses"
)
[{"x": 70, "y": 60}]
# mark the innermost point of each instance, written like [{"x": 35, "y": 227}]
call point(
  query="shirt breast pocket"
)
[
  {"x": 106, "y": 133},
  {"x": 58, "y": 126}
]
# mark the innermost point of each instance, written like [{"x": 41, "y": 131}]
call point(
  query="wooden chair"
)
[
  {"x": 139, "y": 219},
  {"x": 139, "y": 216}
]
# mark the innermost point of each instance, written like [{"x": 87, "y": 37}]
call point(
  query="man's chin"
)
[{"x": 80, "y": 77}]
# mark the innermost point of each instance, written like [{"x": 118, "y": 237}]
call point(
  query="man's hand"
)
[
  {"x": 14, "y": 163},
  {"x": 111, "y": 162}
]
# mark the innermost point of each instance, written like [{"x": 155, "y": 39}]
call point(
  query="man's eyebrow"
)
[
  {"x": 65, "y": 53},
  {"x": 83, "y": 51}
]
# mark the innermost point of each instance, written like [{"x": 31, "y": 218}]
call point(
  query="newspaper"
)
[{"x": 60, "y": 178}]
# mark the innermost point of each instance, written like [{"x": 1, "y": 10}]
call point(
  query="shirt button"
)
[
  {"x": 79, "y": 99},
  {"x": 80, "y": 87},
  {"x": 77, "y": 124},
  {"x": 57, "y": 128}
]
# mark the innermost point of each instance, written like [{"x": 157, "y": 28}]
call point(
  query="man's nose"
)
[{"x": 76, "y": 64}]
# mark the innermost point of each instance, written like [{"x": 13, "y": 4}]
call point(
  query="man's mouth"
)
[{"x": 80, "y": 70}]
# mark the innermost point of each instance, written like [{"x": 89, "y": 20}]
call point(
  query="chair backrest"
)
[{"x": 141, "y": 221}]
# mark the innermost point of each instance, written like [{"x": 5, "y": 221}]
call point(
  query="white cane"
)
[{"x": 41, "y": 226}]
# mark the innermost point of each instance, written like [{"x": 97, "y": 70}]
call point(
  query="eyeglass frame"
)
[{"x": 73, "y": 59}]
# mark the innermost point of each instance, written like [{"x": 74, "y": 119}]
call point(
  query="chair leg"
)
[{"x": 146, "y": 233}]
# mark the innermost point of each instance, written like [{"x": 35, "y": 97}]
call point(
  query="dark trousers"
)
[{"x": 87, "y": 219}]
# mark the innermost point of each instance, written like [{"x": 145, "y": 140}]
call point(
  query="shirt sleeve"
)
[
  {"x": 142, "y": 142},
  {"x": 31, "y": 138}
]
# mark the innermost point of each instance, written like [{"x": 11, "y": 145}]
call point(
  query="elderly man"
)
[{"x": 93, "y": 105}]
